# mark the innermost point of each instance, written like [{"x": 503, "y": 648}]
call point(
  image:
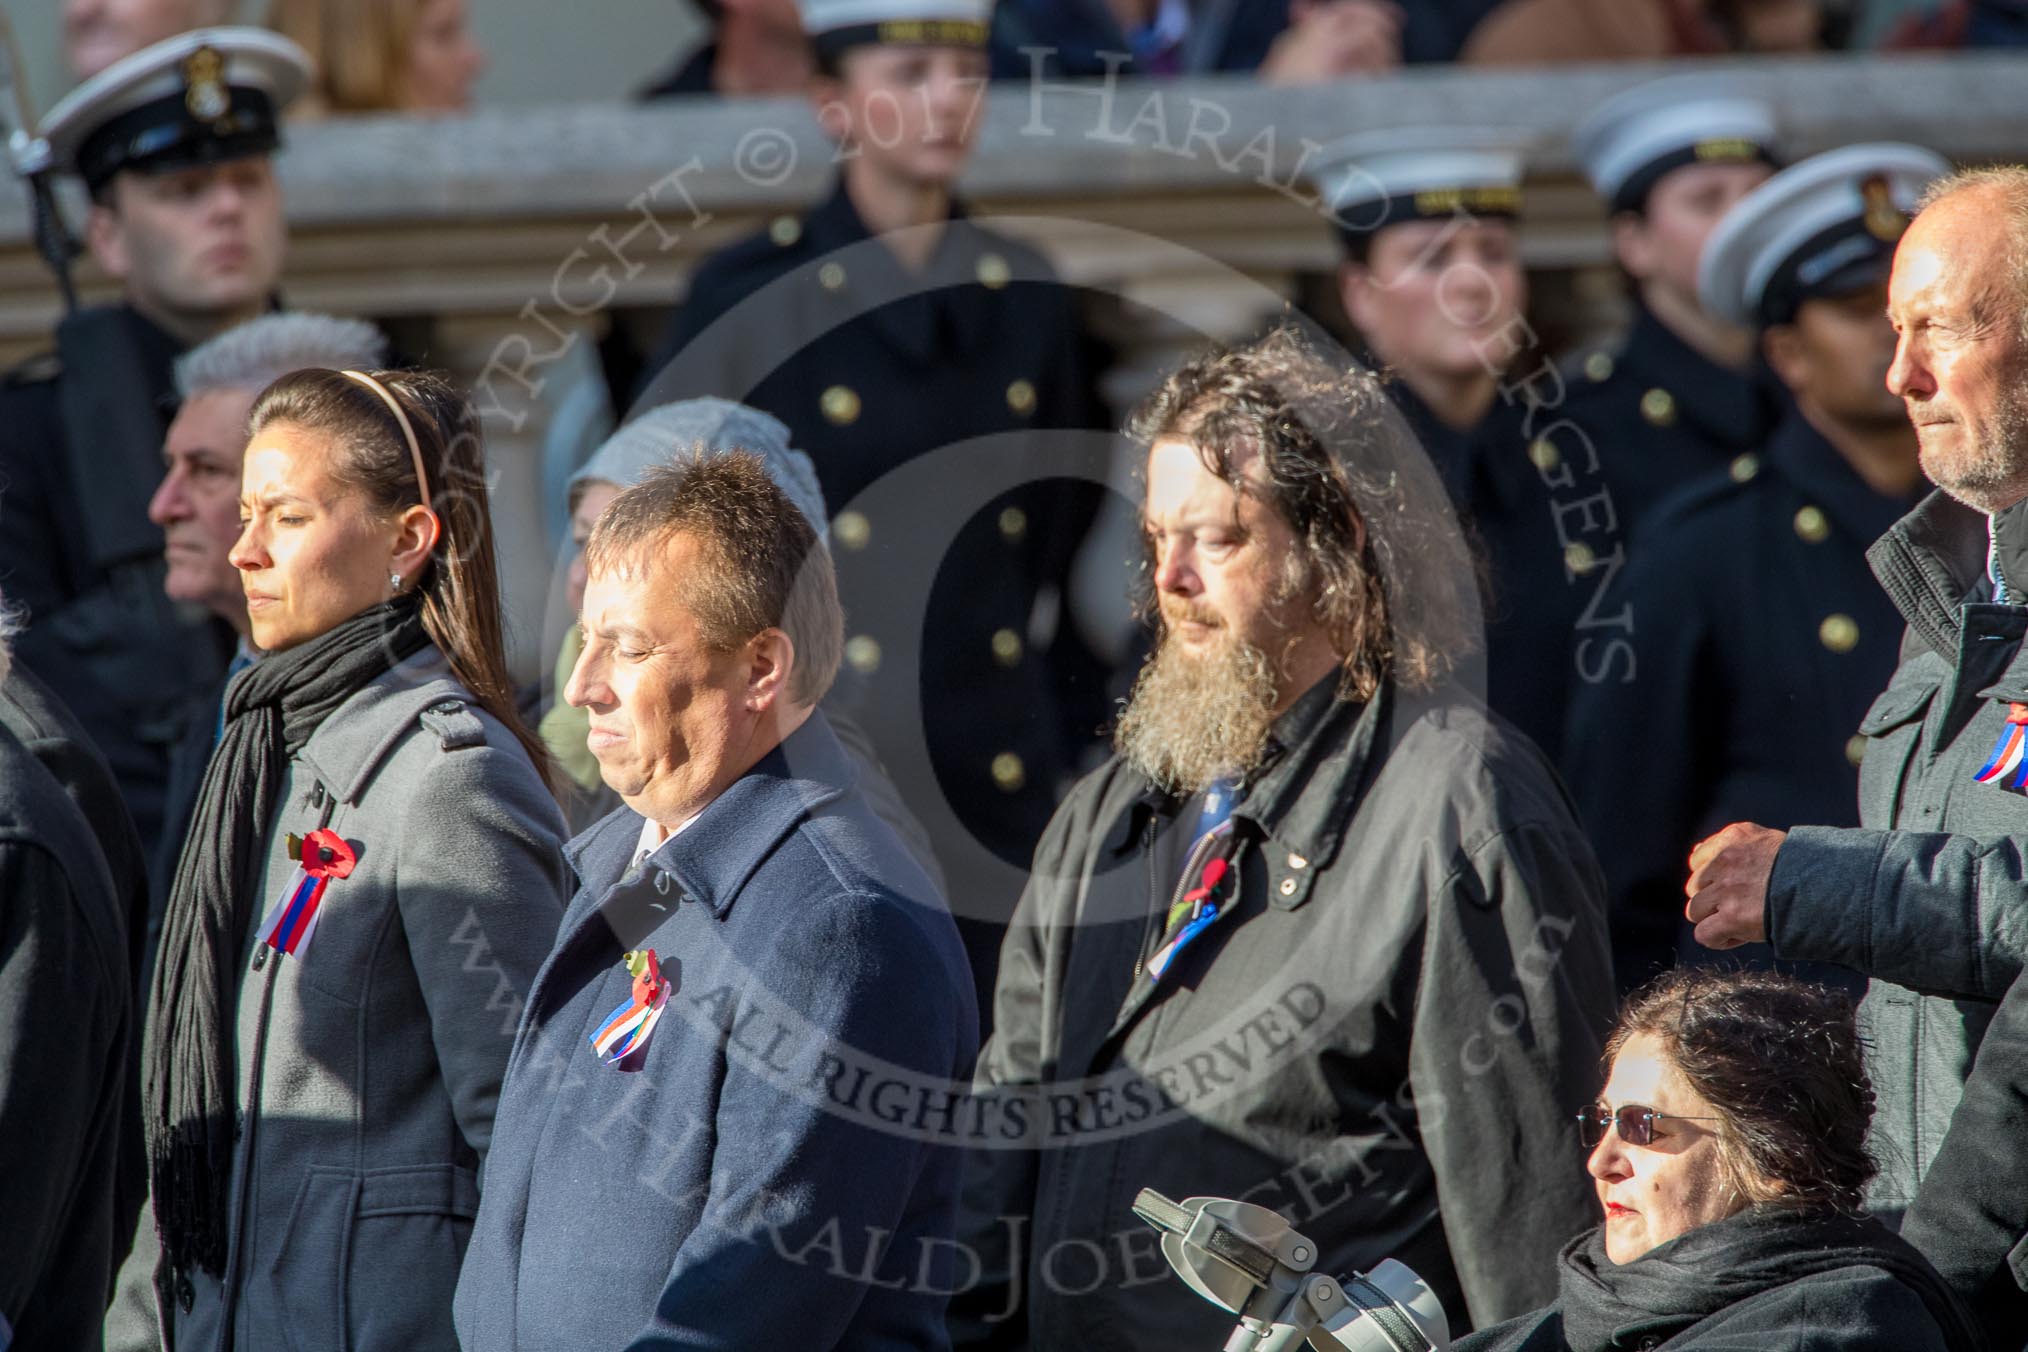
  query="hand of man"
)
[
  {"x": 1728, "y": 885},
  {"x": 1329, "y": 38}
]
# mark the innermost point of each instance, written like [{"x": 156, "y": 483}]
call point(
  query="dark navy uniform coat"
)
[
  {"x": 778, "y": 1169},
  {"x": 1661, "y": 415},
  {"x": 80, "y": 454},
  {"x": 1531, "y": 599},
  {"x": 1760, "y": 637},
  {"x": 928, "y": 405}
]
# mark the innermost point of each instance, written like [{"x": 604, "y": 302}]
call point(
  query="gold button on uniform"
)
[
  {"x": 1578, "y": 558},
  {"x": 1013, "y": 523},
  {"x": 831, "y": 276},
  {"x": 862, "y": 654},
  {"x": 852, "y": 530},
  {"x": 1658, "y": 407},
  {"x": 1838, "y": 632},
  {"x": 993, "y": 271},
  {"x": 1542, "y": 452},
  {"x": 1021, "y": 397},
  {"x": 1006, "y": 647},
  {"x": 1744, "y": 467},
  {"x": 1855, "y": 748},
  {"x": 1008, "y": 772},
  {"x": 1599, "y": 366},
  {"x": 1288, "y": 887},
  {"x": 840, "y": 404},
  {"x": 785, "y": 230},
  {"x": 1812, "y": 526}
]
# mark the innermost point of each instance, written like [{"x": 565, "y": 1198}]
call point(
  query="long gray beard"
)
[{"x": 1193, "y": 719}]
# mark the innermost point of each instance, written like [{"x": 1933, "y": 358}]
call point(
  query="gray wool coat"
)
[{"x": 369, "y": 1068}]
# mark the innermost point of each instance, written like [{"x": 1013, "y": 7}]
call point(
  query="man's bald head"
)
[
  {"x": 1959, "y": 303},
  {"x": 1995, "y": 197}
]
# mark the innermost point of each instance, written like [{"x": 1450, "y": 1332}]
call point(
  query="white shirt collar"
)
[
  {"x": 1993, "y": 560},
  {"x": 653, "y": 834}
]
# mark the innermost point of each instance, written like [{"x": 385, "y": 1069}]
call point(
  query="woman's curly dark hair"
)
[
  {"x": 1780, "y": 1061},
  {"x": 1377, "y": 542}
]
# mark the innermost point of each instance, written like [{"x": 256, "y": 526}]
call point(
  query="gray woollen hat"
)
[{"x": 668, "y": 432}]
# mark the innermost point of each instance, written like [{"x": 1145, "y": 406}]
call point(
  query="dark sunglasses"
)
[{"x": 1636, "y": 1124}]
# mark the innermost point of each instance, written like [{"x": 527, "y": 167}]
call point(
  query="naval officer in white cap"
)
[
  {"x": 1761, "y": 635},
  {"x": 1432, "y": 279},
  {"x": 1432, "y": 272},
  {"x": 173, "y": 144},
  {"x": 1682, "y": 394},
  {"x": 901, "y": 342}
]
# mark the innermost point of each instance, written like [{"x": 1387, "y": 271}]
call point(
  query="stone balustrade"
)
[{"x": 518, "y": 233}]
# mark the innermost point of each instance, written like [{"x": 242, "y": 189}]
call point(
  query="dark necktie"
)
[{"x": 1205, "y": 887}]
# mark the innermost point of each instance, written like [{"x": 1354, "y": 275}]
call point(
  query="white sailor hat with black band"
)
[
  {"x": 1372, "y": 180},
  {"x": 834, "y": 25},
  {"x": 202, "y": 97},
  {"x": 1826, "y": 226},
  {"x": 1632, "y": 141}
]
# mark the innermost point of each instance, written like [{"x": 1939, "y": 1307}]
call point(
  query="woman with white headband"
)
[{"x": 372, "y": 877}]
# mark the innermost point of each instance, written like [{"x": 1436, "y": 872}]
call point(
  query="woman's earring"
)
[{"x": 394, "y": 583}]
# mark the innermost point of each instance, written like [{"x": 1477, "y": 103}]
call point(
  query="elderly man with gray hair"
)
[
  {"x": 1927, "y": 896},
  {"x": 197, "y": 507}
]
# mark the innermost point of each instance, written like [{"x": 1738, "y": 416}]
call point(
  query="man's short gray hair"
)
[
  {"x": 2010, "y": 182},
  {"x": 254, "y": 355}
]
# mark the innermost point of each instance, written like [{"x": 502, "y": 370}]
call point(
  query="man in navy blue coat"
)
[{"x": 729, "y": 1119}]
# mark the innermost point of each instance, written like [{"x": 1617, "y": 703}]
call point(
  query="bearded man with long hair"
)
[{"x": 1323, "y": 933}]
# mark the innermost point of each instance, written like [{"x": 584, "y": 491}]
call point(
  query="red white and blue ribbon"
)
[
  {"x": 627, "y": 1029},
  {"x": 291, "y": 922},
  {"x": 1195, "y": 913},
  {"x": 2008, "y": 765}
]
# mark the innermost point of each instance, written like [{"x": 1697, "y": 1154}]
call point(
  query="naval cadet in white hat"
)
[
  {"x": 1432, "y": 271},
  {"x": 1432, "y": 279},
  {"x": 173, "y": 144},
  {"x": 1681, "y": 393},
  {"x": 902, "y": 340}
]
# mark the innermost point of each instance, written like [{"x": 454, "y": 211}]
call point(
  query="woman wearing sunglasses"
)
[
  {"x": 373, "y": 873},
  {"x": 1728, "y": 1149}
]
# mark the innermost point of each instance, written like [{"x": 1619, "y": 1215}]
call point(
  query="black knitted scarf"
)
[{"x": 271, "y": 709}]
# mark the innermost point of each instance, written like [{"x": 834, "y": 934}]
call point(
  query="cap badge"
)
[
  {"x": 1885, "y": 220},
  {"x": 204, "y": 91},
  {"x": 1726, "y": 150}
]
